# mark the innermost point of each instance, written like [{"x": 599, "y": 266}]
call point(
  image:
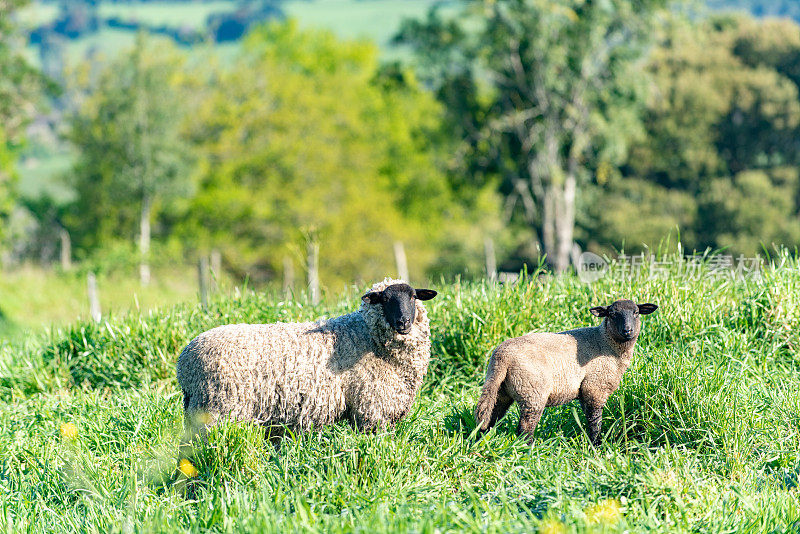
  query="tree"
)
[
  {"x": 549, "y": 90},
  {"x": 132, "y": 159},
  {"x": 720, "y": 148},
  {"x": 305, "y": 134},
  {"x": 20, "y": 88}
]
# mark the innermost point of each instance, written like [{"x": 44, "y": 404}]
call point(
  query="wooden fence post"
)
[
  {"x": 202, "y": 278},
  {"x": 313, "y": 271},
  {"x": 94, "y": 299},
  {"x": 491, "y": 260},
  {"x": 400, "y": 258}
]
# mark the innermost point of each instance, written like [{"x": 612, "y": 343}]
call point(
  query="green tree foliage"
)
[
  {"x": 721, "y": 146},
  {"x": 20, "y": 88},
  {"x": 542, "y": 92},
  {"x": 133, "y": 162},
  {"x": 306, "y": 134}
]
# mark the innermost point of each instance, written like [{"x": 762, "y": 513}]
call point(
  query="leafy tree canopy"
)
[
  {"x": 306, "y": 134},
  {"x": 132, "y": 159}
]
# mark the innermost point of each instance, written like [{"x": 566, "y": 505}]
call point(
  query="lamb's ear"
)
[
  {"x": 425, "y": 294},
  {"x": 646, "y": 309},
  {"x": 599, "y": 311},
  {"x": 373, "y": 297}
]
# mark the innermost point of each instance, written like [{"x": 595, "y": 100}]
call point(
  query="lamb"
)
[
  {"x": 546, "y": 369},
  {"x": 365, "y": 366}
]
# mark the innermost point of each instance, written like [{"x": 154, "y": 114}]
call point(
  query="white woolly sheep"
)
[
  {"x": 546, "y": 369},
  {"x": 365, "y": 366}
]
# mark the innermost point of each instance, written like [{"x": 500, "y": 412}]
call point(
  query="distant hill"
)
[{"x": 761, "y": 8}]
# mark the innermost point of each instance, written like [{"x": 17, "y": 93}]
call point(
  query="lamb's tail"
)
[{"x": 495, "y": 375}]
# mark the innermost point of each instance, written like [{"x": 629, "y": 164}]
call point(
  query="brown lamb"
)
[{"x": 546, "y": 369}]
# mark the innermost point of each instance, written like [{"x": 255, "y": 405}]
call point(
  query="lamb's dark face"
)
[
  {"x": 623, "y": 318},
  {"x": 399, "y": 306}
]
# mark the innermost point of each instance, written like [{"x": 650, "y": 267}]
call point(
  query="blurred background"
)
[{"x": 151, "y": 151}]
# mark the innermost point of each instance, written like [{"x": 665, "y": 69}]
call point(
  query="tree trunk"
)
[
  {"x": 558, "y": 222},
  {"x": 565, "y": 223},
  {"x": 548, "y": 224},
  {"x": 144, "y": 242}
]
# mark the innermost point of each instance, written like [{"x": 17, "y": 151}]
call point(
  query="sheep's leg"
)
[
  {"x": 504, "y": 402},
  {"x": 530, "y": 387},
  {"x": 593, "y": 410},
  {"x": 494, "y": 400},
  {"x": 531, "y": 411},
  {"x": 531, "y": 407}
]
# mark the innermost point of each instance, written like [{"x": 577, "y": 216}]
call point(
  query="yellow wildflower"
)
[
  {"x": 552, "y": 526},
  {"x": 187, "y": 468},
  {"x": 608, "y": 512},
  {"x": 69, "y": 430}
]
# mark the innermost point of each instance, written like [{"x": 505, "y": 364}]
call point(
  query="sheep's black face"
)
[
  {"x": 623, "y": 318},
  {"x": 398, "y": 304}
]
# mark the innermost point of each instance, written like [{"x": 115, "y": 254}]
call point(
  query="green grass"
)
[
  {"x": 703, "y": 434},
  {"x": 33, "y": 298}
]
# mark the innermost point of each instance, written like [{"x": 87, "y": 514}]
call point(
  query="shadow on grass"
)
[
  {"x": 630, "y": 423},
  {"x": 461, "y": 420}
]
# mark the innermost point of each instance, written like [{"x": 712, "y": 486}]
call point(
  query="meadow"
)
[
  {"x": 702, "y": 436},
  {"x": 376, "y": 20},
  {"x": 37, "y": 298}
]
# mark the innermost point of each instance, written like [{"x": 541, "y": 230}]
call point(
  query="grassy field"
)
[
  {"x": 176, "y": 14},
  {"x": 377, "y": 20},
  {"x": 702, "y": 436},
  {"x": 33, "y": 298}
]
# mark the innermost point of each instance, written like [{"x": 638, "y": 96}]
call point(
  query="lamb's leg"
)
[
  {"x": 531, "y": 388},
  {"x": 530, "y": 412},
  {"x": 494, "y": 400},
  {"x": 593, "y": 410},
  {"x": 504, "y": 402}
]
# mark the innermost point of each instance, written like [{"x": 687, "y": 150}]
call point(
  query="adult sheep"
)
[{"x": 365, "y": 367}]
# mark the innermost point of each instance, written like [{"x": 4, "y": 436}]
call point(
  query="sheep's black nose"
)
[{"x": 403, "y": 325}]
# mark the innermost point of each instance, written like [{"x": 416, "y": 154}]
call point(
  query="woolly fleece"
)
[
  {"x": 547, "y": 369},
  {"x": 306, "y": 375}
]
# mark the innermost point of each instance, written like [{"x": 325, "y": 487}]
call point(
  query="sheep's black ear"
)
[
  {"x": 425, "y": 294},
  {"x": 373, "y": 297},
  {"x": 599, "y": 311},
  {"x": 646, "y": 309}
]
